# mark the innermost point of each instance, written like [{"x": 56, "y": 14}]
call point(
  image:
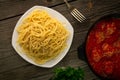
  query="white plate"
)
[{"x": 54, "y": 14}]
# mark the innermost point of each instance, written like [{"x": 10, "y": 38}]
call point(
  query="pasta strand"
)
[{"x": 42, "y": 37}]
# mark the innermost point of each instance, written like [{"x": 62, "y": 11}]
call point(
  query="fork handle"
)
[{"x": 68, "y": 5}]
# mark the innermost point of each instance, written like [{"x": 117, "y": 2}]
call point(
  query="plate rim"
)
[{"x": 20, "y": 21}]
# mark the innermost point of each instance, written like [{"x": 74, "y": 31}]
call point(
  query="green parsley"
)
[{"x": 68, "y": 73}]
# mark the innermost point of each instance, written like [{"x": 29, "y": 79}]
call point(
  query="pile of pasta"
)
[{"x": 42, "y": 37}]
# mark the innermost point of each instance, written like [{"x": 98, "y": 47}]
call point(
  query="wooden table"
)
[{"x": 13, "y": 67}]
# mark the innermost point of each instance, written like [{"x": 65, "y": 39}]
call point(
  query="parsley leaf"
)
[{"x": 68, "y": 73}]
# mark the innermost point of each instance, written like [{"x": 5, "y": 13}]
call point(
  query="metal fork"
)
[{"x": 75, "y": 13}]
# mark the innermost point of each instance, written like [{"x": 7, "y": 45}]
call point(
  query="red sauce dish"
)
[{"x": 103, "y": 47}]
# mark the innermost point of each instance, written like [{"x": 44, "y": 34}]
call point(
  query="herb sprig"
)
[{"x": 68, "y": 73}]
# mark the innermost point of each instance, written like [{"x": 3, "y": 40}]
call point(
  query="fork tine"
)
[
  {"x": 75, "y": 13},
  {"x": 76, "y": 17},
  {"x": 79, "y": 16},
  {"x": 80, "y": 13}
]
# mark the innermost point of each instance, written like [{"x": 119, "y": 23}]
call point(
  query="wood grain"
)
[
  {"x": 14, "y": 8},
  {"x": 13, "y": 67}
]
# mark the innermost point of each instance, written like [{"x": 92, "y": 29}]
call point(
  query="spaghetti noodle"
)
[{"x": 41, "y": 37}]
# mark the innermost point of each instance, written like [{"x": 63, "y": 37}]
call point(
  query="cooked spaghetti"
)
[{"x": 42, "y": 37}]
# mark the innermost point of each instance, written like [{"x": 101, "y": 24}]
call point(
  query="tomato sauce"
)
[{"x": 103, "y": 48}]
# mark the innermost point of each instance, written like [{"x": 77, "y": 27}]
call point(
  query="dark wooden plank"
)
[
  {"x": 6, "y": 30},
  {"x": 33, "y": 72},
  {"x": 23, "y": 73},
  {"x": 17, "y": 7},
  {"x": 11, "y": 63},
  {"x": 11, "y": 8}
]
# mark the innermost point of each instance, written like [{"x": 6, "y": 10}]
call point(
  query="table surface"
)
[{"x": 13, "y": 67}]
